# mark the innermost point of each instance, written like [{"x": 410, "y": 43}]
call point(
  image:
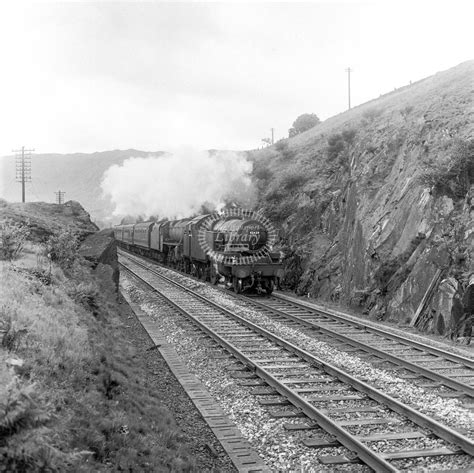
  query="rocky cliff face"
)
[{"x": 376, "y": 205}]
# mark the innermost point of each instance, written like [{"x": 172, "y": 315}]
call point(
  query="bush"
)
[
  {"x": 13, "y": 236},
  {"x": 371, "y": 114},
  {"x": 336, "y": 145},
  {"x": 453, "y": 175},
  {"x": 283, "y": 148},
  {"x": 348, "y": 135},
  {"x": 262, "y": 172},
  {"x": 62, "y": 249},
  {"x": 85, "y": 294},
  {"x": 293, "y": 180}
]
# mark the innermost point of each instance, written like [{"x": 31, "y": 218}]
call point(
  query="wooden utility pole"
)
[
  {"x": 60, "y": 197},
  {"x": 23, "y": 168},
  {"x": 349, "y": 70},
  {"x": 273, "y": 140}
]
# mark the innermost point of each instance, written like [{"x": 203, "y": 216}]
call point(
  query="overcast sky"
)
[{"x": 88, "y": 77}]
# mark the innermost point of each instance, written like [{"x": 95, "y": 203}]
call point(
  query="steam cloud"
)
[{"x": 178, "y": 185}]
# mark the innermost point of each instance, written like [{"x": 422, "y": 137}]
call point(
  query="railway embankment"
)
[
  {"x": 376, "y": 205},
  {"x": 81, "y": 388}
]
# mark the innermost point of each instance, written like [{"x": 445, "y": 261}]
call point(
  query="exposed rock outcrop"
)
[
  {"x": 375, "y": 204},
  {"x": 44, "y": 219},
  {"x": 101, "y": 251}
]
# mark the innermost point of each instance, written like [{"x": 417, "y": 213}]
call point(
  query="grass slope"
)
[{"x": 71, "y": 394}]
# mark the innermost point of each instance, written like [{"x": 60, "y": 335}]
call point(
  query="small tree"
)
[
  {"x": 62, "y": 248},
  {"x": 453, "y": 174},
  {"x": 303, "y": 123},
  {"x": 13, "y": 236}
]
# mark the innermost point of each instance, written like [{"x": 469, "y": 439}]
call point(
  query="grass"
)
[{"x": 76, "y": 400}]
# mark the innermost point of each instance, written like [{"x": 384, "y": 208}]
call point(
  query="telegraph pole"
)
[
  {"x": 349, "y": 70},
  {"x": 273, "y": 140},
  {"x": 60, "y": 197},
  {"x": 23, "y": 168}
]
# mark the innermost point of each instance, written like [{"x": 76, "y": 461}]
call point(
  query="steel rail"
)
[
  {"x": 462, "y": 360},
  {"x": 367, "y": 455},
  {"x": 452, "y": 383},
  {"x": 469, "y": 362},
  {"x": 442, "y": 431}
]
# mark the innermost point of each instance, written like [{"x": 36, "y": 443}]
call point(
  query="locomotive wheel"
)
[
  {"x": 213, "y": 275},
  {"x": 237, "y": 285},
  {"x": 270, "y": 287}
]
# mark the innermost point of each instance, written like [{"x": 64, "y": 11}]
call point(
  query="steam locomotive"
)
[{"x": 234, "y": 248}]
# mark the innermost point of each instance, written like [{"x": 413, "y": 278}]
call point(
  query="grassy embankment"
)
[{"x": 71, "y": 397}]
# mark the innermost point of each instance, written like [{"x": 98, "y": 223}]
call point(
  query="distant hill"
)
[{"x": 77, "y": 174}]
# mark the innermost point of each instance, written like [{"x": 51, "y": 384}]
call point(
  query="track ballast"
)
[{"x": 305, "y": 387}]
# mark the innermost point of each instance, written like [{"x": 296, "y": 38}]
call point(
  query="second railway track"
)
[
  {"x": 324, "y": 395},
  {"x": 423, "y": 362}
]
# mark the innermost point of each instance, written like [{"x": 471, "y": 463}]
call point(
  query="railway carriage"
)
[
  {"x": 141, "y": 236},
  {"x": 127, "y": 235}
]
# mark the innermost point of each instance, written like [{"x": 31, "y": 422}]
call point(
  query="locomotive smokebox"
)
[{"x": 239, "y": 235}]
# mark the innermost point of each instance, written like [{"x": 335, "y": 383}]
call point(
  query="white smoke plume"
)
[{"x": 177, "y": 185}]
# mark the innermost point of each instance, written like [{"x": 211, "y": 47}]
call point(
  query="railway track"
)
[
  {"x": 431, "y": 367},
  {"x": 315, "y": 393}
]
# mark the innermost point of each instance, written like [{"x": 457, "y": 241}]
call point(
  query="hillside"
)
[
  {"x": 77, "y": 174},
  {"x": 376, "y": 204},
  {"x": 81, "y": 388}
]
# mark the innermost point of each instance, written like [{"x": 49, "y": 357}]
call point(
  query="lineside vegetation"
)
[{"x": 71, "y": 396}]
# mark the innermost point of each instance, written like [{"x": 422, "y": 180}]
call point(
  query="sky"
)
[{"x": 93, "y": 76}]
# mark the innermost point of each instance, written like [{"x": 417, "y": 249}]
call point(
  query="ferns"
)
[
  {"x": 22, "y": 431},
  {"x": 19, "y": 411}
]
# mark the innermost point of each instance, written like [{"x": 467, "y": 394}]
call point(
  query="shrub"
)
[
  {"x": 85, "y": 294},
  {"x": 371, "y": 114},
  {"x": 348, "y": 135},
  {"x": 62, "y": 248},
  {"x": 293, "y": 180},
  {"x": 336, "y": 145},
  {"x": 454, "y": 174},
  {"x": 13, "y": 236},
  {"x": 283, "y": 148},
  {"x": 262, "y": 172}
]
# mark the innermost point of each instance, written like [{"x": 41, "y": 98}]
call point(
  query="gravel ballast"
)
[
  {"x": 194, "y": 430},
  {"x": 281, "y": 452}
]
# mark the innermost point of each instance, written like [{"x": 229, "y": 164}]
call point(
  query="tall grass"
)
[{"x": 74, "y": 400}]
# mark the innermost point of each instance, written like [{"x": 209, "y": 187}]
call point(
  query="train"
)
[{"x": 233, "y": 247}]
